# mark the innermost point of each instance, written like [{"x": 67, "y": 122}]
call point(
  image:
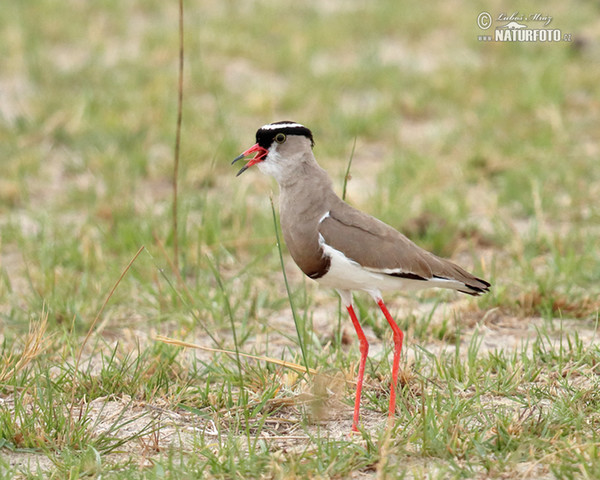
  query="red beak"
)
[{"x": 260, "y": 156}]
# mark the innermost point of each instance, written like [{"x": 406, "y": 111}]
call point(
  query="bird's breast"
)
[{"x": 302, "y": 240}]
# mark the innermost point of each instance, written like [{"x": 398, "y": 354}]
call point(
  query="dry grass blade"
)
[
  {"x": 283, "y": 363},
  {"x": 93, "y": 325},
  {"x": 178, "y": 141},
  {"x": 34, "y": 344}
]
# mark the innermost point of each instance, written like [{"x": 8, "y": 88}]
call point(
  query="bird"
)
[{"x": 341, "y": 247}]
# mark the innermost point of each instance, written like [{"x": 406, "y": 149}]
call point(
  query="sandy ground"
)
[{"x": 331, "y": 416}]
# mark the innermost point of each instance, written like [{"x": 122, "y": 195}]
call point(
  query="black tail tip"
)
[{"x": 477, "y": 287}]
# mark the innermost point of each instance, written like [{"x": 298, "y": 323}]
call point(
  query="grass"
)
[{"x": 486, "y": 153}]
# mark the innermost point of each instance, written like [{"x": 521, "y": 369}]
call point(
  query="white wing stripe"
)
[{"x": 326, "y": 215}]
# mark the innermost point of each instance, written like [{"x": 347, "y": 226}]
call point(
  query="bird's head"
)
[{"x": 279, "y": 147}]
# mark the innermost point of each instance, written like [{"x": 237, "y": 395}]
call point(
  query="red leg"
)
[
  {"x": 364, "y": 350},
  {"x": 398, "y": 337}
]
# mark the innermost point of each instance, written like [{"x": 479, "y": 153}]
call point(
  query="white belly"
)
[{"x": 346, "y": 274}]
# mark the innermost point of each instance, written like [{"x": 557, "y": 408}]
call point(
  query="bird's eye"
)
[{"x": 280, "y": 137}]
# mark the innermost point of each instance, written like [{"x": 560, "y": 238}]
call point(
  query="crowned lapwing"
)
[{"x": 341, "y": 247}]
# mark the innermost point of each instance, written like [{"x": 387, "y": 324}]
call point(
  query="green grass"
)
[{"x": 486, "y": 153}]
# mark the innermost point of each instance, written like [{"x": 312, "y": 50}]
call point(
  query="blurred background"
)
[{"x": 481, "y": 151}]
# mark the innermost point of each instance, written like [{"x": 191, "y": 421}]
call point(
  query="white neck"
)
[{"x": 289, "y": 168}]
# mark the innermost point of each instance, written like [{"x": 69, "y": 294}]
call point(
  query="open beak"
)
[{"x": 260, "y": 156}]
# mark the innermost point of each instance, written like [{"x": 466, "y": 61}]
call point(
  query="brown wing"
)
[{"x": 376, "y": 245}]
